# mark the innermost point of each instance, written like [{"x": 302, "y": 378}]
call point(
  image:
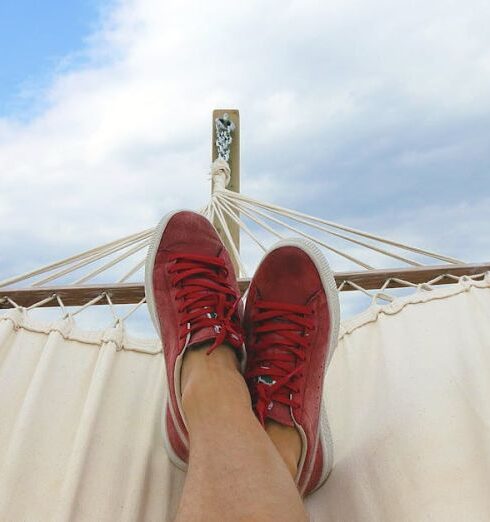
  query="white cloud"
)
[{"x": 323, "y": 87}]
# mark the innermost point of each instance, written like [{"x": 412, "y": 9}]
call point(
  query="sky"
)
[
  {"x": 39, "y": 39},
  {"x": 374, "y": 114}
]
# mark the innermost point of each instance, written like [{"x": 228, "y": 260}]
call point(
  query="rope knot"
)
[{"x": 220, "y": 174}]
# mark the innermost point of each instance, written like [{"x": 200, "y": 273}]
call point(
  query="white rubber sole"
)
[
  {"x": 330, "y": 287},
  {"x": 150, "y": 300},
  {"x": 149, "y": 265}
]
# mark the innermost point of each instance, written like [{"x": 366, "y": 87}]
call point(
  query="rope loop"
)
[
  {"x": 12, "y": 302},
  {"x": 64, "y": 311},
  {"x": 220, "y": 174}
]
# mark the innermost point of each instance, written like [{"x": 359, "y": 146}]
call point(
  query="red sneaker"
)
[
  {"x": 193, "y": 297},
  {"x": 291, "y": 322}
]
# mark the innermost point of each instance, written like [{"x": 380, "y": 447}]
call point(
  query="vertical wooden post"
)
[{"x": 234, "y": 184}]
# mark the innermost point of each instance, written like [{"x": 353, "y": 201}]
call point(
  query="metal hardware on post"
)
[
  {"x": 224, "y": 128},
  {"x": 226, "y": 145}
]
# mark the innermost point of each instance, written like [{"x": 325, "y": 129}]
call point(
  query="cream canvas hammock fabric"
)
[{"x": 407, "y": 392}]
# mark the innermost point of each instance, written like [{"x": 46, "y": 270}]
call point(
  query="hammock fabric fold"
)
[{"x": 407, "y": 394}]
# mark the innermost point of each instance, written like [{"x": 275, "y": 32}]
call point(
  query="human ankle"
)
[
  {"x": 212, "y": 384},
  {"x": 197, "y": 360}
]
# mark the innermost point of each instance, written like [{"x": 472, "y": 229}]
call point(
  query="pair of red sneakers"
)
[{"x": 284, "y": 340}]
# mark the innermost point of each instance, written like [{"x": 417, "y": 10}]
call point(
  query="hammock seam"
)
[
  {"x": 124, "y": 343},
  {"x": 420, "y": 296},
  {"x": 130, "y": 344}
]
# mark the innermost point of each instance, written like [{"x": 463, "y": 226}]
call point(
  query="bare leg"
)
[
  {"x": 235, "y": 472},
  {"x": 287, "y": 442}
]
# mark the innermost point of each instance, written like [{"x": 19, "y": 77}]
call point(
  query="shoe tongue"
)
[
  {"x": 281, "y": 414},
  {"x": 201, "y": 336},
  {"x": 207, "y": 333}
]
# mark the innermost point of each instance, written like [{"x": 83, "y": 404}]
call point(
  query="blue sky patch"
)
[{"x": 36, "y": 38}]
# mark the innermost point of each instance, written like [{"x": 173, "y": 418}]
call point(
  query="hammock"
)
[
  {"x": 406, "y": 391},
  {"x": 407, "y": 395}
]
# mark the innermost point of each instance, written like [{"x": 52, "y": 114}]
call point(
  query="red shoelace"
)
[
  {"x": 205, "y": 298},
  {"x": 276, "y": 358}
]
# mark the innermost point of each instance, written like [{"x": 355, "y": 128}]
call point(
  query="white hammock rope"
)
[
  {"x": 233, "y": 215},
  {"x": 234, "y": 252},
  {"x": 141, "y": 243},
  {"x": 295, "y": 214},
  {"x": 12, "y": 302},
  {"x": 62, "y": 306},
  {"x": 132, "y": 310},
  {"x": 381, "y": 294},
  {"x": 133, "y": 271},
  {"x": 77, "y": 257},
  {"x": 373, "y": 296},
  {"x": 112, "y": 309},
  {"x": 256, "y": 220},
  {"x": 94, "y": 301},
  {"x": 307, "y": 236},
  {"x": 227, "y": 210},
  {"x": 347, "y": 238},
  {"x": 42, "y": 302},
  {"x": 117, "y": 319},
  {"x": 140, "y": 246}
]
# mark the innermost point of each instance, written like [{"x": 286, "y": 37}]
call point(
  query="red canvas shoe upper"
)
[
  {"x": 287, "y": 323},
  {"x": 194, "y": 298}
]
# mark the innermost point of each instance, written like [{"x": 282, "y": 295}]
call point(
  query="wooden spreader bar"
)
[{"x": 132, "y": 293}]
